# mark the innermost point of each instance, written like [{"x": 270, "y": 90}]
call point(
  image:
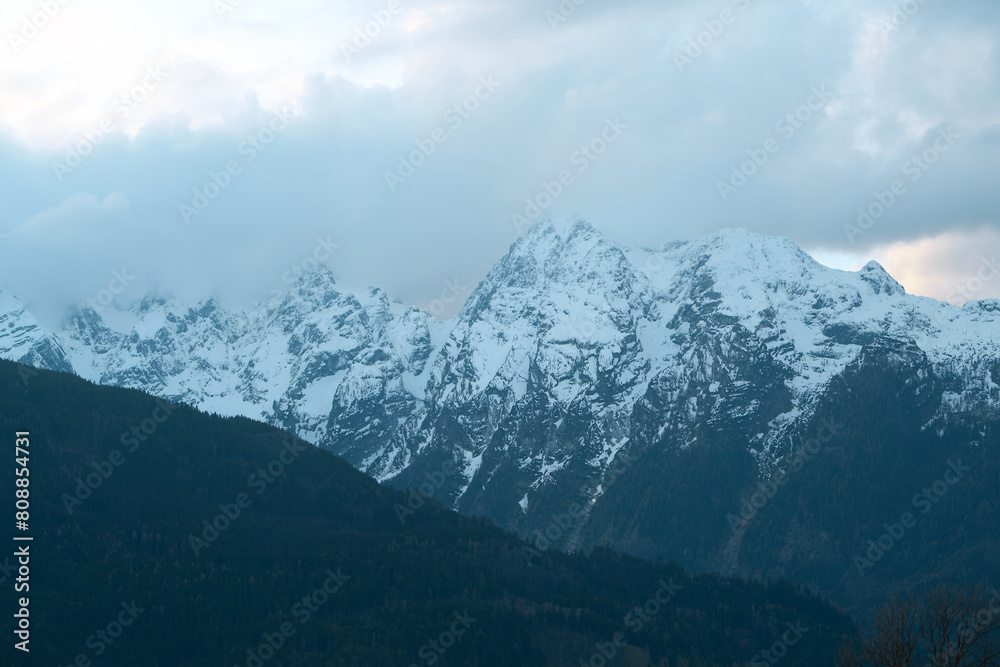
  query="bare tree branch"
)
[{"x": 947, "y": 627}]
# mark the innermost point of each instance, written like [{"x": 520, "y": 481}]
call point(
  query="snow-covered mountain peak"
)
[
  {"x": 319, "y": 278},
  {"x": 881, "y": 282},
  {"x": 557, "y": 249},
  {"x": 741, "y": 241},
  {"x": 316, "y": 287},
  {"x": 24, "y": 340},
  {"x": 570, "y": 344},
  {"x": 559, "y": 230},
  {"x": 737, "y": 256}
]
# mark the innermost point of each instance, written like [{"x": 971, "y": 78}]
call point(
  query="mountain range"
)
[
  {"x": 163, "y": 536},
  {"x": 726, "y": 402}
]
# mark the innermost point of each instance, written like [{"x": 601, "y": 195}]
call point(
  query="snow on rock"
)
[{"x": 546, "y": 366}]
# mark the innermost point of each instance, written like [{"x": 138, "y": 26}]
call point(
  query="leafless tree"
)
[{"x": 948, "y": 627}]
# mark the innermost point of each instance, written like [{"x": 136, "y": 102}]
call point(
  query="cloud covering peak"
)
[{"x": 795, "y": 119}]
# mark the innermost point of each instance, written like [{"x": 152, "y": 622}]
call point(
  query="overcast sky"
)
[{"x": 113, "y": 114}]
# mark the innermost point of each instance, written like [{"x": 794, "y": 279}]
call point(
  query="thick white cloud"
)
[{"x": 693, "y": 113}]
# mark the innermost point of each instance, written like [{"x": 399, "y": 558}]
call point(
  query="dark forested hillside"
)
[
  {"x": 659, "y": 392},
  {"x": 164, "y": 536},
  {"x": 881, "y": 496}
]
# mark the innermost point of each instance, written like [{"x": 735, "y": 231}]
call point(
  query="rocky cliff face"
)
[{"x": 575, "y": 370}]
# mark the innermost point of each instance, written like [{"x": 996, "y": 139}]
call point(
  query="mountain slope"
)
[
  {"x": 212, "y": 534},
  {"x": 22, "y": 338},
  {"x": 574, "y": 370}
]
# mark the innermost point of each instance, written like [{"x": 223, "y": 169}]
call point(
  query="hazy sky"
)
[{"x": 286, "y": 117}]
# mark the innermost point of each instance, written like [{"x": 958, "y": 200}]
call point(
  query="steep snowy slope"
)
[
  {"x": 23, "y": 340},
  {"x": 573, "y": 357},
  {"x": 569, "y": 335},
  {"x": 288, "y": 362}
]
